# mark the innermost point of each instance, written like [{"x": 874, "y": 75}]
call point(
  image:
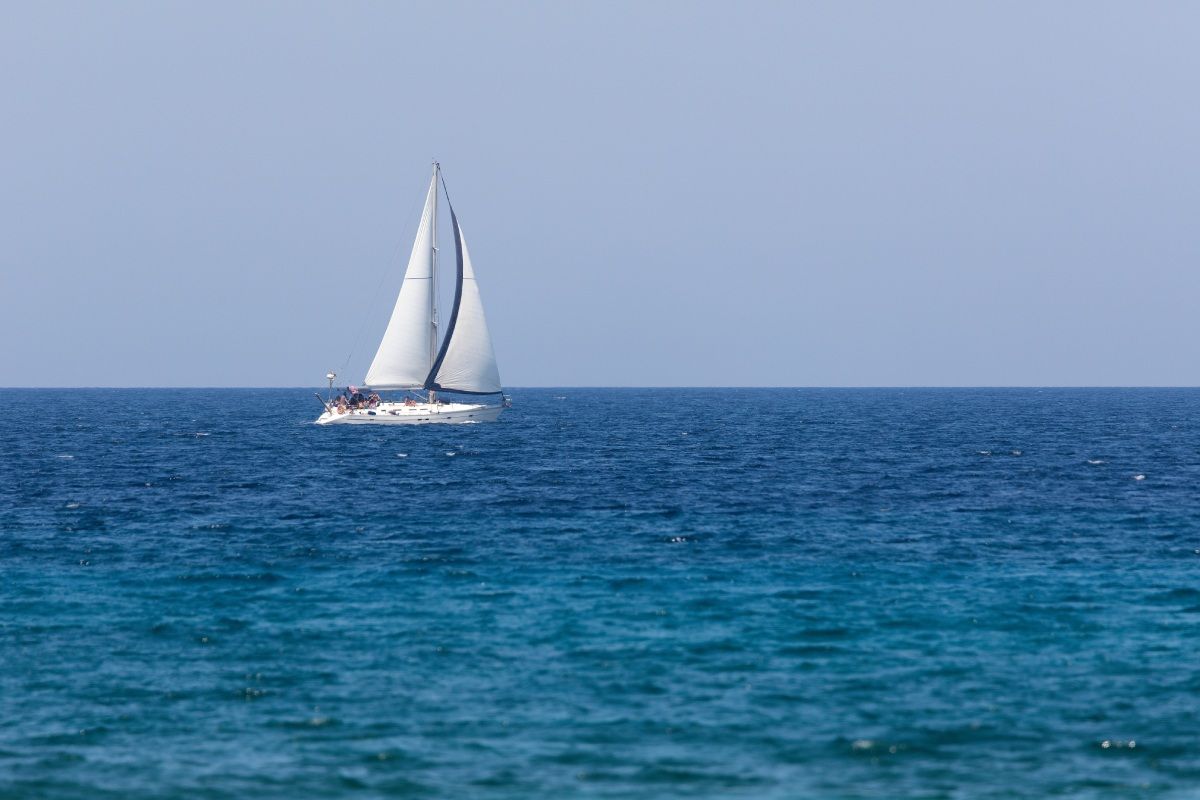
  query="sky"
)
[{"x": 654, "y": 193}]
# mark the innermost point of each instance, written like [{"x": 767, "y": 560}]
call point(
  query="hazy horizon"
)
[
  {"x": 340, "y": 384},
  {"x": 671, "y": 194}
]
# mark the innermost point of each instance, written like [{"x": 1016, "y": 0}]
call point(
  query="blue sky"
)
[{"x": 809, "y": 194}]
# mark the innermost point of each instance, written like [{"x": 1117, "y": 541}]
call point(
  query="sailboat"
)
[{"x": 412, "y": 358}]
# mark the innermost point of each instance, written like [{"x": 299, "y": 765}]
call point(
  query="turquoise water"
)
[{"x": 609, "y": 593}]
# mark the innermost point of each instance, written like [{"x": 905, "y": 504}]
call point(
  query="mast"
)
[
  {"x": 433, "y": 295},
  {"x": 410, "y": 357}
]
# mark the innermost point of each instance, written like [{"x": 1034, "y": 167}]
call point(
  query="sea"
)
[{"x": 609, "y": 593}]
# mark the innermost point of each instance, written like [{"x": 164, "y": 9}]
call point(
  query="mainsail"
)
[
  {"x": 466, "y": 362},
  {"x": 405, "y": 355}
]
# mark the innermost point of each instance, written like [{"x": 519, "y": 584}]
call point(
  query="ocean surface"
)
[{"x": 609, "y": 593}]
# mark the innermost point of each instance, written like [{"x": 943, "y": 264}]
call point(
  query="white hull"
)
[{"x": 419, "y": 414}]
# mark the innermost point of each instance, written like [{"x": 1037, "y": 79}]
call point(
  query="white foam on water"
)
[
  {"x": 401, "y": 455},
  {"x": 1095, "y": 460},
  {"x": 451, "y": 453},
  {"x": 1117, "y": 743},
  {"x": 1139, "y": 477},
  {"x": 66, "y": 456},
  {"x": 984, "y": 452},
  {"x": 72, "y": 505},
  {"x": 1016, "y": 452},
  {"x": 201, "y": 433}
]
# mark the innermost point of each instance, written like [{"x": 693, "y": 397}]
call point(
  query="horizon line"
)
[{"x": 639, "y": 387}]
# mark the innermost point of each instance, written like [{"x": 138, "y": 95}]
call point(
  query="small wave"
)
[
  {"x": 311, "y": 722},
  {"x": 798, "y": 594},
  {"x": 825, "y": 633},
  {"x": 984, "y": 452},
  {"x": 451, "y": 453},
  {"x": 876, "y": 748},
  {"x": 1178, "y": 595},
  {"x": 1139, "y": 477},
  {"x": 626, "y": 583},
  {"x": 401, "y": 455},
  {"x": 72, "y": 505},
  {"x": 1016, "y": 452},
  {"x": 1096, "y": 461},
  {"x": 217, "y": 577},
  {"x": 70, "y": 738},
  {"x": 67, "y": 456},
  {"x": 1117, "y": 744},
  {"x": 198, "y": 434}
]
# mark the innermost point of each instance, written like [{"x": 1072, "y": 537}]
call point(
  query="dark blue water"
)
[{"x": 609, "y": 593}]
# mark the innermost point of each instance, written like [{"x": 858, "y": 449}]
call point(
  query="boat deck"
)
[{"x": 415, "y": 413}]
